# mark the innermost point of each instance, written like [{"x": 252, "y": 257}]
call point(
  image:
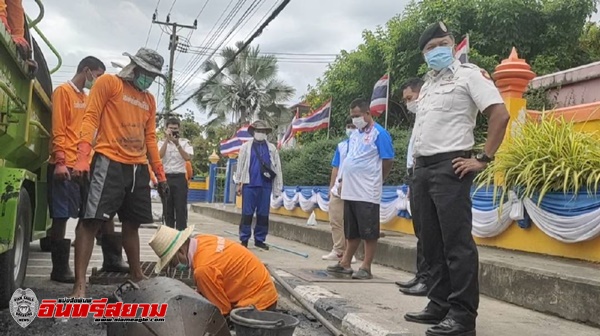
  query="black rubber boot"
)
[
  {"x": 112, "y": 251},
  {"x": 61, "y": 271}
]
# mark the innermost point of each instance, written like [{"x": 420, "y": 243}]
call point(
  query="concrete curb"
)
[
  {"x": 567, "y": 289},
  {"x": 336, "y": 309}
]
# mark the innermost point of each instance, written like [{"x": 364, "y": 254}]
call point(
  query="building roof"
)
[{"x": 574, "y": 75}]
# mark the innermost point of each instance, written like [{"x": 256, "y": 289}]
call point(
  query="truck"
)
[{"x": 25, "y": 140}]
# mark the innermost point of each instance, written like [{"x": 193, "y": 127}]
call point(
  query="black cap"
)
[{"x": 434, "y": 30}]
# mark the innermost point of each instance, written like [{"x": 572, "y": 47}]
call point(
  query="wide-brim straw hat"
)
[
  {"x": 166, "y": 242},
  {"x": 148, "y": 60},
  {"x": 260, "y": 125}
]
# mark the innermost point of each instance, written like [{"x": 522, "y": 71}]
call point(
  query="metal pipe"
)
[
  {"x": 37, "y": 20},
  {"x": 305, "y": 255},
  {"x": 40, "y": 127},
  {"x": 50, "y": 46},
  {"x": 334, "y": 331}
]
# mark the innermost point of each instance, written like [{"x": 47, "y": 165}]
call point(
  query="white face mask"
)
[
  {"x": 260, "y": 136},
  {"x": 359, "y": 122},
  {"x": 412, "y": 106}
]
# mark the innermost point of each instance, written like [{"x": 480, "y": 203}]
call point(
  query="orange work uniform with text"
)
[
  {"x": 68, "y": 109},
  {"x": 230, "y": 276},
  {"x": 125, "y": 119}
]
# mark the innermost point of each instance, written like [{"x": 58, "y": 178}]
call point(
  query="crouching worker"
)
[{"x": 226, "y": 273}]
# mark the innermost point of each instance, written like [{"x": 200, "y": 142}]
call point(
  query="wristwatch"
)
[{"x": 482, "y": 157}]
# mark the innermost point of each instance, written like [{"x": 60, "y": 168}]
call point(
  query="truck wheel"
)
[{"x": 13, "y": 263}]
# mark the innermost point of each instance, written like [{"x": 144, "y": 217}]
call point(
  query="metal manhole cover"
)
[
  {"x": 113, "y": 278},
  {"x": 320, "y": 275}
]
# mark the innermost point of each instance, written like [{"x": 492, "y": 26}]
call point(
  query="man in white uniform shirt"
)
[
  {"x": 174, "y": 152},
  {"x": 449, "y": 102},
  {"x": 368, "y": 163}
]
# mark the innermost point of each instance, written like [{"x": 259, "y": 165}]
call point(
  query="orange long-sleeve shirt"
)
[
  {"x": 125, "y": 120},
  {"x": 68, "y": 108},
  {"x": 230, "y": 276}
]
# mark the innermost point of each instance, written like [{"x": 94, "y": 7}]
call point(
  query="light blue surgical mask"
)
[
  {"x": 439, "y": 58},
  {"x": 350, "y": 131}
]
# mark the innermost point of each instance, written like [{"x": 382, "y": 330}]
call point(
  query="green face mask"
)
[
  {"x": 89, "y": 83},
  {"x": 143, "y": 82}
]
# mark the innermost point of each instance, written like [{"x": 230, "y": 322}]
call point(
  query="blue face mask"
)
[{"x": 439, "y": 58}]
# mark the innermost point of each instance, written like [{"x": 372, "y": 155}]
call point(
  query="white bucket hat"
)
[{"x": 165, "y": 243}]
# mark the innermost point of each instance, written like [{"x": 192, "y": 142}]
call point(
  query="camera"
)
[{"x": 175, "y": 134}]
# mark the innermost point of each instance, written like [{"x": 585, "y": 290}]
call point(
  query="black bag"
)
[{"x": 265, "y": 170}]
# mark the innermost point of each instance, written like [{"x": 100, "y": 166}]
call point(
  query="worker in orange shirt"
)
[
  {"x": 13, "y": 17},
  {"x": 123, "y": 113},
  {"x": 226, "y": 273},
  {"x": 64, "y": 195}
]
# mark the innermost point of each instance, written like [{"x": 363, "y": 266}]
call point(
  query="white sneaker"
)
[
  {"x": 353, "y": 260},
  {"x": 332, "y": 256}
]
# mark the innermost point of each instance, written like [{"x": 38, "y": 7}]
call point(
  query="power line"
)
[
  {"x": 151, "y": 25},
  {"x": 191, "y": 33},
  {"x": 243, "y": 19},
  {"x": 257, "y": 33},
  {"x": 213, "y": 39}
]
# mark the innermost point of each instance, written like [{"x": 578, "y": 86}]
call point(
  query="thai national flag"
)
[
  {"x": 316, "y": 120},
  {"x": 289, "y": 134},
  {"x": 243, "y": 134},
  {"x": 379, "y": 97},
  {"x": 230, "y": 146},
  {"x": 462, "y": 50}
]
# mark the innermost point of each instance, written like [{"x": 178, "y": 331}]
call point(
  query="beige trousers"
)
[{"x": 336, "y": 220}]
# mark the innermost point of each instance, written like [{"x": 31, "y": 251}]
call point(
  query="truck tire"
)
[{"x": 13, "y": 263}]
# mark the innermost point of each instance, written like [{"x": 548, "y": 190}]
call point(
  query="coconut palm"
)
[{"x": 246, "y": 90}]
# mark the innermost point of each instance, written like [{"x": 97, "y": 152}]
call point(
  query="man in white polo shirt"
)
[
  {"x": 174, "y": 152},
  {"x": 368, "y": 163}
]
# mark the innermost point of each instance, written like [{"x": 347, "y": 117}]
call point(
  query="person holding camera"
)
[
  {"x": 175, "y": 152},
  {"x": 258, "y": 175}
]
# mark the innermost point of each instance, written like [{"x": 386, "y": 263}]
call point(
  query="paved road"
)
[{"x": 380, "y": 303}]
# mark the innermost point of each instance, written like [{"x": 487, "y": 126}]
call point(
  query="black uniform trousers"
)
[
  {"x": 177, "y": 212},
  {"x": 442, "y": 205},
  {"x": 422, "y": 267}
]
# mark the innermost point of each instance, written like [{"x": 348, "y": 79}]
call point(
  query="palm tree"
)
[{"x": 246, "y": 90}]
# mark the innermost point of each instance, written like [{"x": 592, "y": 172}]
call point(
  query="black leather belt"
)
[
  {"x": 424, "y": 161},
  {"x": 175, "y": 175}
]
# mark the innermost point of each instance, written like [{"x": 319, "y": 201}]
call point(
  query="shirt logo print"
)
[
  {"x": 141, "y": 104},
  {"x": 79, "y": 105}
]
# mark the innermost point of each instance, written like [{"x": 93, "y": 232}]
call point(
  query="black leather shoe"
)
[
  {"x": 262, "y": 245},
  {"x": 244, "y": 243},
  {"x": 449, "y": 327},
  {"x": 408, "y": 284},
  {"x": 425, "y": 316},
  {"x": 419, "y": 289}
]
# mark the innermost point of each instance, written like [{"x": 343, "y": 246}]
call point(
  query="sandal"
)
[
  {"x": 362, "y": 274},
  {"x": 338, "y": 268}
]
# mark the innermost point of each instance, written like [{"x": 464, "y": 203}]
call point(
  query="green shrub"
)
[{"x": 310, "y": 164}]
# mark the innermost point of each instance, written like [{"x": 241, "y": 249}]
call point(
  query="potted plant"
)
[{"x": 545, "y": 155}]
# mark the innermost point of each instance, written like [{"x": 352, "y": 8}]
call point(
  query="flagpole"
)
[
  {"x": 387, "y": 99},
  {"x": 329, "y": 118}
]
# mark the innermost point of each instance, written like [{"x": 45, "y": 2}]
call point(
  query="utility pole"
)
[{"x": 174, "y": 40}]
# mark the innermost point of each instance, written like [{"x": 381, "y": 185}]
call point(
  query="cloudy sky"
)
[{"x": 305, "y": 36}]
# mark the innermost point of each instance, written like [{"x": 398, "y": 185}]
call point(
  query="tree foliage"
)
[
  {"x": 551, "y": 35},
  {"x": 247, "y": 88}
]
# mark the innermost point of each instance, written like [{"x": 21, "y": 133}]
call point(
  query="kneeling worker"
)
[{"x": 226, "y": 273}]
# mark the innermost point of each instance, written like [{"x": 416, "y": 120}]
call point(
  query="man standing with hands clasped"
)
[
  {"x": 175, "y": 152},
  {"x": 449, "y": 101}
]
